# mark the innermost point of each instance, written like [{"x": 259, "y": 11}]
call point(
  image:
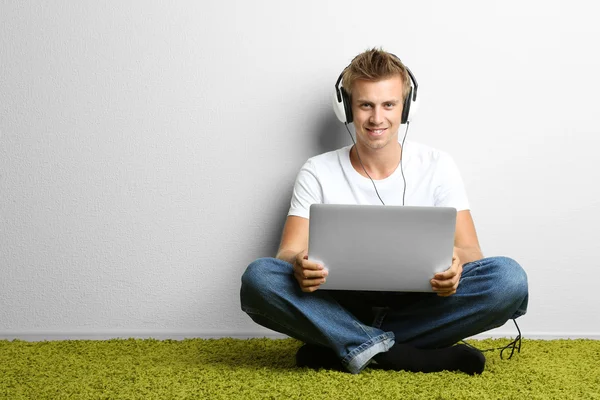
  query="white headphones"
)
[{"x": 343, "y": 108}]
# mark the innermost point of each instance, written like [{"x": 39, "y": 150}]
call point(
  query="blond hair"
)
[{"x": 374, "y": 65}]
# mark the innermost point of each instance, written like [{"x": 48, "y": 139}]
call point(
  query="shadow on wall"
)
[
  {"x": 331, "y": 134},
  {"x": 280, "y": 210},
  {"x": 328, "y": 134}
]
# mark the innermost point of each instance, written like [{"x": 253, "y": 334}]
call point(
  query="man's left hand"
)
[{"x": 445, "y": 283}]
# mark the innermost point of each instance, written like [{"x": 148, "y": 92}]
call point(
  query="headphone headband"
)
[
  {"x": 414, "y": 83},
  {"x": 337, "y": 86}
]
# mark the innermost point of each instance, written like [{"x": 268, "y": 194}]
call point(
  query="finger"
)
[
  {"x": 307, "y": 264},
  {"x": 298, "y": 270},
  {"x": 313, "y": 282},
  {"x": 301, "y": 256},
  {"x": 442, "y": 285},
  {"x": 447, "y": 274},
  {"x": 446, "y": 289},
  {"x": 312, "y": 274},
  {"x": 310, "y": 289},
  {"x": 308, "y": 277},
  {"x": 455, "y": 268},
  {"x": 444, "y": 276},
  {"x": 310, "y": 285},
  {"x": 302, "y": 265}
]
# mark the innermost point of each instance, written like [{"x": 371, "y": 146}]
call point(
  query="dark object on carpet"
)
[
  {"x": 316, "y": 357},
  {"x": 402, "y": 357}
]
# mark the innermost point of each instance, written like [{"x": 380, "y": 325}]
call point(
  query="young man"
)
[{"x": 348, "y": 330}]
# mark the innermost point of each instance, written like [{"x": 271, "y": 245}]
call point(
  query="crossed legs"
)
[{"x": 358, "y": 326}]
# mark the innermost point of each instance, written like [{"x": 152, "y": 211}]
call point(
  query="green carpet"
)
[{"x": 264, "y": 369}]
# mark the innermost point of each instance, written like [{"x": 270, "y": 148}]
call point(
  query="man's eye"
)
[
  {"x": 389, "y": 105},
  {"x": 365, "y": 105}
]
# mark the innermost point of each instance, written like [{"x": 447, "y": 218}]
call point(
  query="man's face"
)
[{"x": 377, "y": 109}]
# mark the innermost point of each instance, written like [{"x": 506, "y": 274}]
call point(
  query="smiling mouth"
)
[{"x": 376, "y": 132}]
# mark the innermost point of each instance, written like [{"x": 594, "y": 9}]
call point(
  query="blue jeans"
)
[{"x": 357, "y": 325}]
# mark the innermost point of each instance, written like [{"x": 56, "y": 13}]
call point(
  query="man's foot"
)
[
  {"x": 456, "y": 358},
  {"x": 316, "y": 357}
]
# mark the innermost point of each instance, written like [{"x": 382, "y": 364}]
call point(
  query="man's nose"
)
[{"x": 376, "y": 116}]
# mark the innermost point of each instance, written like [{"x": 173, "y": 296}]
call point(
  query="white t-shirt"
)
[{"x": 432, "y": 179}]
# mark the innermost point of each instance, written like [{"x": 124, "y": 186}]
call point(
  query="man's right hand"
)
[{"x": 309, "y": 274}]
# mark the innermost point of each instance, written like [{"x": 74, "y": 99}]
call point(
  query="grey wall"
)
[{"x": 148, "y": 149}]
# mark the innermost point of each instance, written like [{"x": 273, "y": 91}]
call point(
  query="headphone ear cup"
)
[
  {"x": 406, "y": 107},
  {"x": 347, "y": 105}
]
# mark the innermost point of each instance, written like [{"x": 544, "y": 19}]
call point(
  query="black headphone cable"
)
[
  {"x": 514, "y": 345},
  {"x": 364, "y": 169}
]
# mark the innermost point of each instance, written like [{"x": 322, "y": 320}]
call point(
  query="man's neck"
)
[{"x": 379, "y": 163}]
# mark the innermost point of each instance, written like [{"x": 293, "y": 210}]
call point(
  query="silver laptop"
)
[{"x": 385, "y": 248}]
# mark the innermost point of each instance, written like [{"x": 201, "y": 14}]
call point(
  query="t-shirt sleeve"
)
[
  {"x": 450, "y": 189},
  {"x": 307, "y": 191}
]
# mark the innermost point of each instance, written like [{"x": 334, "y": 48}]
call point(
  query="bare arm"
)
[
  {"x": 294, "y": 248},
  {"x": 465, "y": 239},
  {"x": 294, "y": 239}
]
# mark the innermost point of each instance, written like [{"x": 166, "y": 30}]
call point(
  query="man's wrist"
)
[{"x": 287, "y": 256}]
